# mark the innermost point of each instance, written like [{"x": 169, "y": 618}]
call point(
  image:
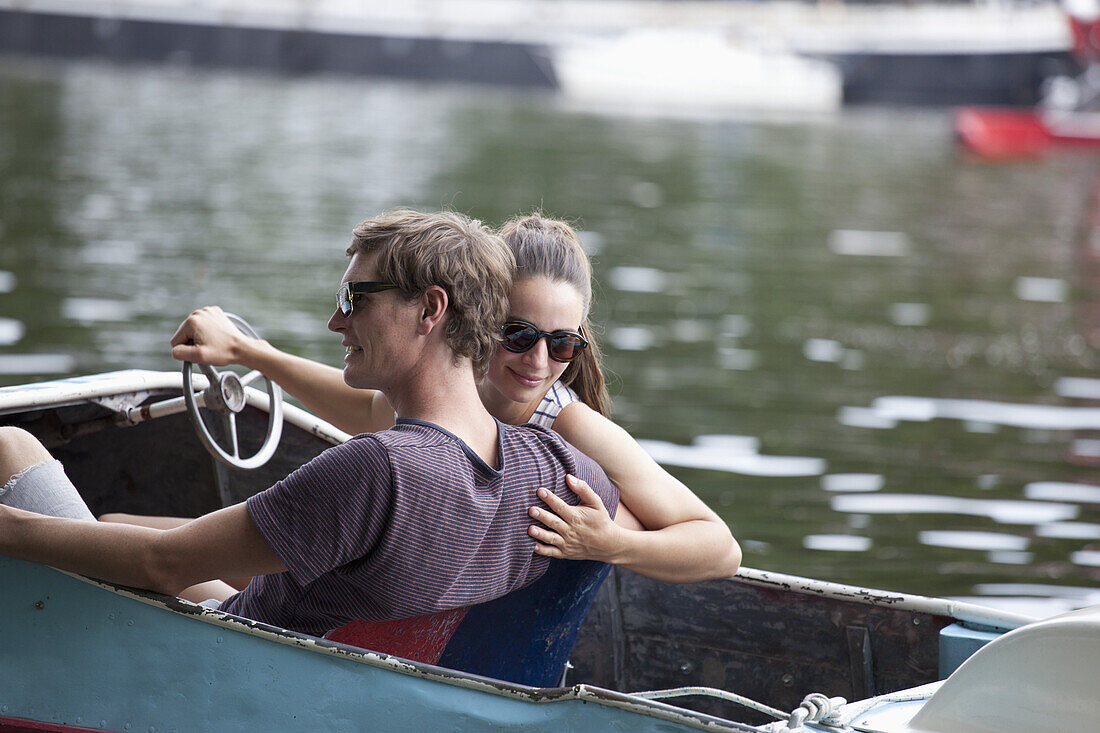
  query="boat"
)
[
  {"x": 893, "y": 53},
  {"x": 1067, "y": 116},
  {"x": 1003, "y": 133},
  {"x": 692, "y": 72},
  {"x": 79, "y": 654}
]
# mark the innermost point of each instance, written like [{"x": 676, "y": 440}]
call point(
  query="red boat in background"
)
[
  {"x": 1069, "y": 117},
  {"x": 998, "y": 133}
]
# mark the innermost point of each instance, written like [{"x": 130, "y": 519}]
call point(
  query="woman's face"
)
[{"x": 551, "y": 306}]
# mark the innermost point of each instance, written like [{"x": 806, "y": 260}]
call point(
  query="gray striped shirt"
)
[{"x": 404, "y": 522}]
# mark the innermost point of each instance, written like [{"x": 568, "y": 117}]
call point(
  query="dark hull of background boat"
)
[
  {"x": 290, "y": 50},
  {"x": 1012, "y": 79},
  {"x": 936, "y": 79}
]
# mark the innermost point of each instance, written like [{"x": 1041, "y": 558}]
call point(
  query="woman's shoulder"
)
[
  {"x": 561, "y": 393},
  {"x": 553, "y": 402}
]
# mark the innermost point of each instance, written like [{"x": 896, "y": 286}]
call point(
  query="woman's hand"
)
[{"x": 582, "y": 532}]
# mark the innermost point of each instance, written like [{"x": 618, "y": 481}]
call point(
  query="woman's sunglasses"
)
[
  {"x": 563, "y": 346},
  {"x": 345, "y": 296}
]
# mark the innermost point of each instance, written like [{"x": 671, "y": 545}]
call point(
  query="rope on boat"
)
[
  {"x": 815, "y": 708},
  {"x": 859, "y": 708},
  {"x": 713, "y": 692}
]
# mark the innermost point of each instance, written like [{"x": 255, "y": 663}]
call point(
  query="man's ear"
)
[{"x": 433, "y": 305}]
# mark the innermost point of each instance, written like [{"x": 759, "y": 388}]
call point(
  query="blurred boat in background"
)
[
  {"x": 886, "y": 53},
  {"x": 687, "y": 72},
  {"x": 1068, "y": 115},
  {"x": 999, "y": 133}
]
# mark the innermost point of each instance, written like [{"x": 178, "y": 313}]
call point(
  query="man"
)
[{"x": 426, "y": 516}]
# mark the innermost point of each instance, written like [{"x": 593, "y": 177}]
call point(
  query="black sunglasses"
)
[
  {"x": 563, "y": 346},
  {"x": 345, "y": 295}
]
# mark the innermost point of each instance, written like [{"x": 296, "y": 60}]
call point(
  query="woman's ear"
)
[{"x": 433, "y": 304}]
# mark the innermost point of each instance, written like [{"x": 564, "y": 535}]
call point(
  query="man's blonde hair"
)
[{"x": 459, "y": 254}]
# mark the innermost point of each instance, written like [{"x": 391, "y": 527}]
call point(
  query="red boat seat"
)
[
  {"x": 523, "y": 637},
  {"x": 418, "y": 638}
]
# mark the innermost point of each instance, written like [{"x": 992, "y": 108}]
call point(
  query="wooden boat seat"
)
[{"x": 523, "y": 637}]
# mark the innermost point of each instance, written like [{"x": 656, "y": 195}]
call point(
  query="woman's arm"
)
[
  {"x": 684, "y": 541},
  {"x": 208, "y": 337}
]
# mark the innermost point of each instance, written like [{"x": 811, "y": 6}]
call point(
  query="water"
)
[{"x": 875, "y": 358}]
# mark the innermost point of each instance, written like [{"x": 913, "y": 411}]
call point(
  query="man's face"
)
[{"x": 374, "y": 333}]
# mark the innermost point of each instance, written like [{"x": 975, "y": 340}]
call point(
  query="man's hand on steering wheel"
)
[
  {"x": 226, "y": 392},
  {"x": 209, "y": 337}
]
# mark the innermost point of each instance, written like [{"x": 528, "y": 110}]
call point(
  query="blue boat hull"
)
[{"x": 79, "y": 654}]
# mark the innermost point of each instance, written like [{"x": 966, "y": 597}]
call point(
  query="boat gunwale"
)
[
  {"x": 95, "y": 387},
  {"x": 967, "y": 613}
]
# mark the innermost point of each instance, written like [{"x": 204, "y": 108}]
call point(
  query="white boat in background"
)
[{"x": 683, "y": 72}]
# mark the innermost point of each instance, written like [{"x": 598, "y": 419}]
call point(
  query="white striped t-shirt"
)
[{"x": 552, "y": 403}]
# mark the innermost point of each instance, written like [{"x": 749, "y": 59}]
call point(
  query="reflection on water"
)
[
  {"x": 892, "y": 410},
  {"x": 877, "y": 244},
  {"x": 1086, "y": 557},
  {"x": 875, "y": 359},
  {"x": 92, "y": 310},
  {"x": 733, "y": 453},
  {"x": 836, "y": 542},
  {"x": 1041, "y": 289},
  {"x": 854, "y": 482},
  {"x": 1059, "y": 491},
  {"x": 1079, "y": 387},
  {"x": 973, "y": 540},
  {"x": 1002, "y": 511},
  {"x": 37, "y": 364},
  {"x": 1069, "y": 530},
  {"x": 11, "y": 331}
]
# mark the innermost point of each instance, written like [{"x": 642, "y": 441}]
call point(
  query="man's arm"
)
[
  {"x": 221, "y": 544},
  {"x": 208, "y": 337}
]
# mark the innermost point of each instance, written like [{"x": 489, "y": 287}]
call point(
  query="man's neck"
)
[{"x": 450, "y": 400}]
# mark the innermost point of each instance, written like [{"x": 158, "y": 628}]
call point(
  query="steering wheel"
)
[{"x": 225, "y": 395}]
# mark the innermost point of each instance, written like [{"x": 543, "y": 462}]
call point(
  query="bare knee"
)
[{"x": 19, "y": 450}]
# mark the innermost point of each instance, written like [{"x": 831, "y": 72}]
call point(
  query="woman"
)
[{"x": 547, "y": 371}]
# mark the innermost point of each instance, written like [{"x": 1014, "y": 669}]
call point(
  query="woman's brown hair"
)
[{"x": 550, "y": 248}]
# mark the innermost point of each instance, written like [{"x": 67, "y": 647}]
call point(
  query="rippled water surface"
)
[{"x": 875, "y": 358}]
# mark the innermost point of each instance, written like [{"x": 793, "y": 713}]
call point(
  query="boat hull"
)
[
  {"x": 999, "y": 133},
  {"x": 78, "y": 654}
]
